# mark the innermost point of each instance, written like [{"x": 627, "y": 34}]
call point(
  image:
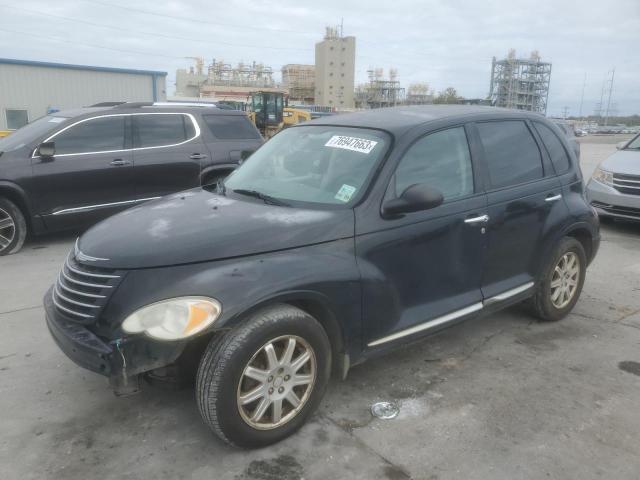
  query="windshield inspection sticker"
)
[
  {"x": 354, "y": 144},
  {"x": 346, "y": 192}
]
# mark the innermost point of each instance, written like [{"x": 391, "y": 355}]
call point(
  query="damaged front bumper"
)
[{"x": 122, "y": 360}]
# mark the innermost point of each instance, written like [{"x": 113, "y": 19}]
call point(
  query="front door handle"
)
[
  {"x": 478, "y": 219},
  {"x": 553, "y": 198},
  {"x": 197, "y": 156},
  {"x": 118, "y": 162}
]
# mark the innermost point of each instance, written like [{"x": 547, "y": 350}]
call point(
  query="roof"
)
[
  {"x": 31, "y": 63},
  {"x": 164, "y": 108},
  {"x": 398, "y": 120}
]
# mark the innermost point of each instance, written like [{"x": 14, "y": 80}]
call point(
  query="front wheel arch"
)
[{"x": 317, "y": 306}]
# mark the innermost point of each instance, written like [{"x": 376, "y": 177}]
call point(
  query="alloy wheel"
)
[
  {"x": 277, "y": 382},
  {"x": 564, "y": 281},
  {"x": 7, "y": 229}
]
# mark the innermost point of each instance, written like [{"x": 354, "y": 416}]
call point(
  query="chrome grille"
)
[
  {"x": 629, "y": 184},
  {"x": 81, "y": 292}
]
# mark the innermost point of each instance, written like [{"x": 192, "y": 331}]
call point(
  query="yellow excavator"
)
[{"x": 268, "y": 112}]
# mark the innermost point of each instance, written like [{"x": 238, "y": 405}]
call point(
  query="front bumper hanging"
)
[{"x": 122, "y": 360}]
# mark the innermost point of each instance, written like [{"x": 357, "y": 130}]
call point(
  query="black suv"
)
[
  {"x": 337, "y": 240},
  {"x": 73, "y": 168}
]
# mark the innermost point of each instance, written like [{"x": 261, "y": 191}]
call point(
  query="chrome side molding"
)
[
  {"x": 427, "y": 325},
  {"x": 508, "y": 294},
  {"x": 449, "y": 317},
  {"x": 92, "y": 207}
]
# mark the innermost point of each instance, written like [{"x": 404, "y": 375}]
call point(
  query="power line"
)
[
  {"x": 91, "y": 45},
  {"x": 154, "y": 34},
  {"x": 121, "y": 50},
  {"x": 194, "y": 20}
]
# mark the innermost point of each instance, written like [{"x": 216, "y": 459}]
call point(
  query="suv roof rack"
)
[
  {"x": 135, "y": 104},
  {"x": 158, "y": 104},
  {"x": 185, "y": 104},
  {"x": 106, "y": 104}
]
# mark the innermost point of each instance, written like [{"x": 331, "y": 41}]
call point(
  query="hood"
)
[
  {"x": 623, "y": 161},
  {"x": 198, "y": 225}
]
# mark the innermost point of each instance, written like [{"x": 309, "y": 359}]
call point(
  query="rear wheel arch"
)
[
  {"x": 585, "y": 237},
  {"x": 211, "y": 174}
]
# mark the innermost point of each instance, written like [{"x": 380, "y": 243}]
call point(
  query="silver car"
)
[{"x": 614, "y": 188}]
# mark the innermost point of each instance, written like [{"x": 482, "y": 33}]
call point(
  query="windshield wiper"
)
[{"x": 262, "y": 196}]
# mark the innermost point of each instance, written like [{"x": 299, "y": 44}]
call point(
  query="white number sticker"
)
[{"x": 354, "y": 144}]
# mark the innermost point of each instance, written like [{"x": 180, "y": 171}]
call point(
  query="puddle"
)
[{"x": 630, "y": 367}]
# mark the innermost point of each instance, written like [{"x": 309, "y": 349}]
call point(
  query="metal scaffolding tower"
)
[
  {"x": 380, "y": 93},
  {"x": 521, "y": 84}
]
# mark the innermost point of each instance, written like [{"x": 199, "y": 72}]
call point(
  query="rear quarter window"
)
[
  {"x": 158, "y": 130},
  {"x": 554, "y": 148},
  {"x": 512, "y": 153},
  {"x": 231, "y": 127}
]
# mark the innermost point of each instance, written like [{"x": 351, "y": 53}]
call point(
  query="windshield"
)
[
  {"x": 315, "y": 164},
  {"x": 634, "y": 144},
  {"x": 30, "y": 132}
]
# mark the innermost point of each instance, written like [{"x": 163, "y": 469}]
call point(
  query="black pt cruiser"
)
[{"x": 337, "y": 240}]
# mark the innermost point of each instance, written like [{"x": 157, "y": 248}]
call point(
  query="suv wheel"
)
[
  {"x": 13, "y": 227},
  {"x": 260, "y": 382},
  {"x": 559, "y": 288}
]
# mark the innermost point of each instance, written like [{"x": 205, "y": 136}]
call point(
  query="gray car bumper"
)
[{"x": 609, "y": 202}]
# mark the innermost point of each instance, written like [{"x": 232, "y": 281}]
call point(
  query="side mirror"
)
[
  {"x": 415, "y": 198},
  {"x": 47, "y": 149},
  {"x": 621, "y": 145}
]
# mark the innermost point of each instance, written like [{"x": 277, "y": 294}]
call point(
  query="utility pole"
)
[
  {"x": 606, "y": 117},
  {"x": 565, "y": 112},
  {"x": 584, "y": 84}
]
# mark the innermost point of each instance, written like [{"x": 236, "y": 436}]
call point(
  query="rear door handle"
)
[
  {"x": 197, "y": 156},
  {"x": 553, "y": 198},
  {"x": 118, "y": 162},
  {"x": 478, "y": 219}
]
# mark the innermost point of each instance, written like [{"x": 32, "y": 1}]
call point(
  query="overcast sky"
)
[{"x": 443, "y": 43}]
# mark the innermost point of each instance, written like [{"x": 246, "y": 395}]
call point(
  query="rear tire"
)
[
  {"x": 561, "y": 283},
  {"x": 13, "y": 227},
  {"x": 260, "y": 382}
]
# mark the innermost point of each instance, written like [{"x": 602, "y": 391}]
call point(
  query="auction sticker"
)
[
  {"x": 345, "y": 193},
  {"x": 354, "y": 144}
]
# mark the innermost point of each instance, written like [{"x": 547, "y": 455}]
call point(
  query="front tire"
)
[
  {"x": 561, "y": 283},
  {"x": 13, "y": 227},
  {"x": 260, "y": 382}
]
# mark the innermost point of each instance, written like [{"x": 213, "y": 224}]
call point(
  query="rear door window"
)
[
  {"x": 231, "y": 127},
  {"x": 512, "y": 153},
  {"x": 159, "y": 130},
  {"x": 554, "y": 147},
  {"x": 102, "y": 134},
  {"x": 440, "y": 160}
]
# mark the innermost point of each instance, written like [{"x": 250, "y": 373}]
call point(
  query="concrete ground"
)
[{"x": 503, "y": 397}]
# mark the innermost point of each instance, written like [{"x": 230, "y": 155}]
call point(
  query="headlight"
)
[
  {"x": 174, "y": 319},
  {"x": 603, "y": 176}
]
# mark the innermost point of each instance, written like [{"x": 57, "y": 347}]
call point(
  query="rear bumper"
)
[
  {"x": 608, "y": 202},
  {"x": 121, "y": 359}
]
